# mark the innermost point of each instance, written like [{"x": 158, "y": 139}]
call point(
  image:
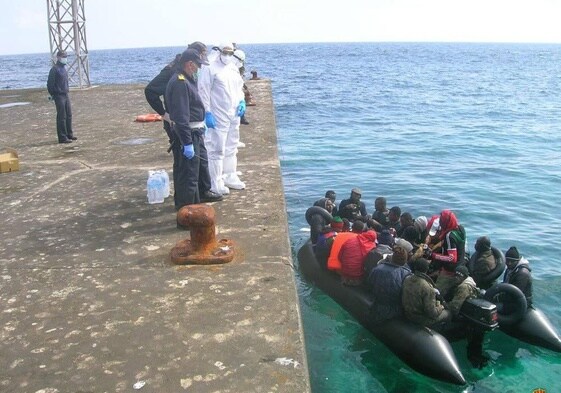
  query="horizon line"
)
[{"x": 322, "y": 42}]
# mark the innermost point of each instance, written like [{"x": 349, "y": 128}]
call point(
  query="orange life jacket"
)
[{"x": 333, "y": 262}]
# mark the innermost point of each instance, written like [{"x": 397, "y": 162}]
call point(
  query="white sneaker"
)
[{"x": 241, "y": 144}]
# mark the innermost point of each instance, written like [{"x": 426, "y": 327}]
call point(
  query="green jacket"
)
[{"x": 419, "y": 299}]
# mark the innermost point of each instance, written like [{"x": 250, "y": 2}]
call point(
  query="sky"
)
[{"x": 112, "y": 24}]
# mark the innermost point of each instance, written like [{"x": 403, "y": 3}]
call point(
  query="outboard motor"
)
[{"x": 480, "y": 312}]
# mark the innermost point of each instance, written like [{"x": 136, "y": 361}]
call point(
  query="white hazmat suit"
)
[{"x": 221, "y": 90}]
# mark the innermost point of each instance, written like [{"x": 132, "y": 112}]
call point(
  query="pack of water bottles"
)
[{"x": 157, "y": 186}]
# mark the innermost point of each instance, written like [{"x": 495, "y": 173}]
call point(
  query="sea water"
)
[{"x": 475, "y": 128}]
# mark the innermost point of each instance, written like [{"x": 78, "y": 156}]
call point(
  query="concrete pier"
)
[{"x": 89, "y": 300}]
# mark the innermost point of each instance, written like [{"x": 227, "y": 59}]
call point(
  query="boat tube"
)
[
  {"x": 318, "y": 210},
  {"x": 527, "y": 324},
  {"x": 487, "y": 280},
  {"x": 423, "y": 349}
]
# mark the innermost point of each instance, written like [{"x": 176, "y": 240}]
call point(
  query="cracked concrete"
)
[{"x": 89, "y": 299}]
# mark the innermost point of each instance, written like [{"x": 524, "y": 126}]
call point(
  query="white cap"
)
[{"x": 435, "y": 226}]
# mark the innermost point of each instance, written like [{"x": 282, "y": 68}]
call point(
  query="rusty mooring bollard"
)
[{"x": 202, "y": 248}]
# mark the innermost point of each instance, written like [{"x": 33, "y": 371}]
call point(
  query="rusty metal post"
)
[{"x": 202, "y": 248}]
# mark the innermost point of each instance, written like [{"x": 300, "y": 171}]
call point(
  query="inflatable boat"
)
[{"x": 424, "y": 349}]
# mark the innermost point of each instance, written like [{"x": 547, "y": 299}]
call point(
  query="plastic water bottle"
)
[
  {"x": 155, "y": 188},
  {"x": 165, "y": 178}
]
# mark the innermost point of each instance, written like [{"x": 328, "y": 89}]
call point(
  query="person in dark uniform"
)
[
  {"x": 57, "y": 85},
  {"x": 187, "y": 114},
  {"x": 156, "y": 89},
  {"x": 157, "y": 86}
]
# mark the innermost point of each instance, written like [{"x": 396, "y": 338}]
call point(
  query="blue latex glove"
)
[
  {"x": 241, "y": 108},
  {"x": 189, "y": 151},
  {"x": 210, "y": 120}
]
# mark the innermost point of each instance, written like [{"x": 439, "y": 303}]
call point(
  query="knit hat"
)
[
  {"x": 462, "y": 270},
  {"x": 512, "y": 255},
  {"x": 337, "y": 224},
  {"x": 386, "y": 238}
]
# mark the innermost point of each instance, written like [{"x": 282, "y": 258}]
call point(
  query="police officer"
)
[
  {"x": 156, "y": 89},
  {"x": 187, "y": 113},
  {"x": 157, "y": 86},
  {"x": 57, "y": 85}
]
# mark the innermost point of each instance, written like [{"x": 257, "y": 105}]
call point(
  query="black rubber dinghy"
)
[{"x": 423, "y": 349}]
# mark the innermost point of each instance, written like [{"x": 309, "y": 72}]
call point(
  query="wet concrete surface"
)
[{"x": 90, "y": 301}]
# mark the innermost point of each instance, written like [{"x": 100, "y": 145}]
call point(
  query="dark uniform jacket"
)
[
  {"x": 184, "y": 105},
  {"x": 57, "y": 83},
  {"x": 157, "y": 87}
]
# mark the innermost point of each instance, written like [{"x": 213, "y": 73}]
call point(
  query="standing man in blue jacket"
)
[{"x": 57, "y": 85}]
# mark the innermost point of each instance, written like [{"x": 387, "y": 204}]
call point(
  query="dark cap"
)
[
  {"x": 199, "y": 47},
  {"x": 61, "y": 53},
  {"x": 192, "y": 55}
]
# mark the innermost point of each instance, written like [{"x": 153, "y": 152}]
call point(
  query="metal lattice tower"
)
[{"x": 67, "y": 31}]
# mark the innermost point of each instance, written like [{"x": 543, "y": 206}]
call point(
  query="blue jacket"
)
[
  {"x": 58, "y": 80},
  {"x": 385, "y": 282}
]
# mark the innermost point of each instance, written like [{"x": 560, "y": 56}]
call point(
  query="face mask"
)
[
  {"x": 197, "y": 74},
  {"x": 226, "y": 59},
  {"x": 63, "y": 60}
]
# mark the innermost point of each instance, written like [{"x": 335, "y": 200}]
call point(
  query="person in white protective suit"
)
[{"x": 221, "y": 90}]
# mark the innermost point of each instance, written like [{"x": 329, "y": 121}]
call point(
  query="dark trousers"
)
[
  {"x": 63, "y": 117},
  {"x": 190, "y": 177}
]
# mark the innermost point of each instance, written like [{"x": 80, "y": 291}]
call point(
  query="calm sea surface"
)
[{"x": 470, "y": 127}]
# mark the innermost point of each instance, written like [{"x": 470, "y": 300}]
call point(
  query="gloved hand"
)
[
  {"x": 241, "y": 108},
  {"x": 189, "y": 151},
  {"x": 210, "y": 120},
  {"x": 166, "y": 117}
]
